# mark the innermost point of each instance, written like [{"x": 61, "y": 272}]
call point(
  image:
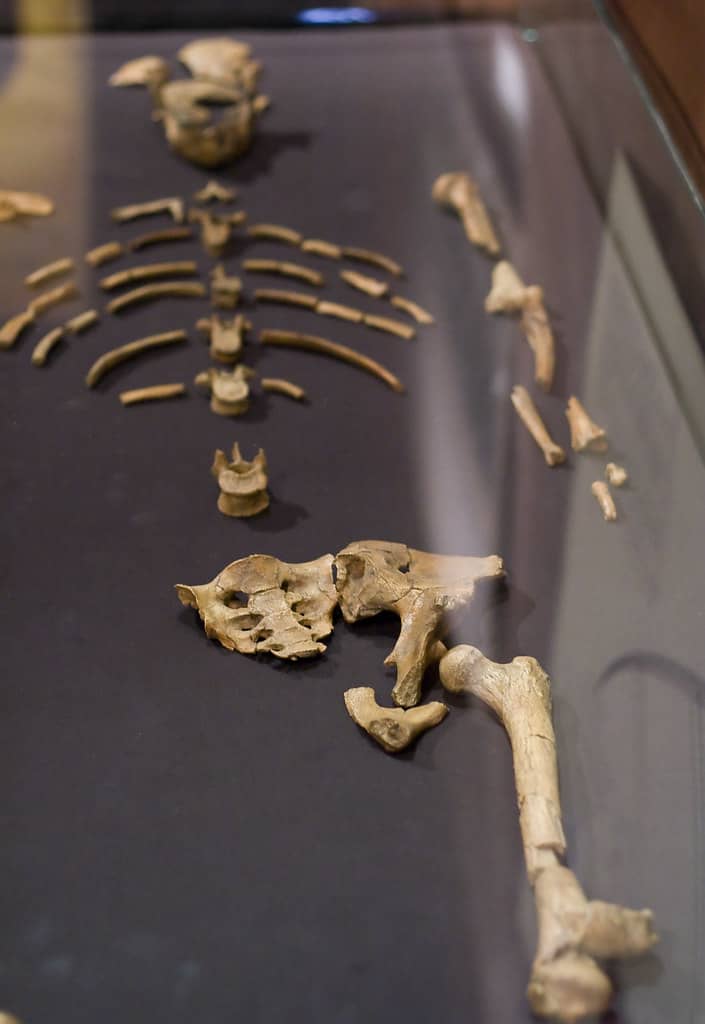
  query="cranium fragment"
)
[
  {"x": 191, "y": 129},
  {"x": 243, "y": 484},
  {"x": 260, "y": 604},
  {"x": 421, "y": 588},
  {"x": 225, "y": 61}
]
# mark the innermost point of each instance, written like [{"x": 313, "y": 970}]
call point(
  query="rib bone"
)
[
  {"x": 52, "y": 298},
  {"x": 458, "y": 191},
  {"x": 604, "y": 499},
  {"x": 286, "y": 298},
  {"x": 82, "y": 321},
  {"x": 585, "y": 435},
  {"x": 12, "y": 328},
  {"x": 171, "y": 205},
  {"x": 529, "y": 416},
  {"x": 179, "y": 268},
  {"x": 375, "y": 259},
  {"x": 310, "y": 343},
  {"x": 133, "y": 348},
  {"x": 157, "y": 237},
  {"x": 279, "y": 386},
  {"x": 146, "y": 292},
  {"x": 413, "y": 309},
  {"x": 317, "y": 247},
  {"x": 385, "y": 323},
  {"x": 45, "y": 273},
  {"x": 276, "y": 233},
  {"x": 104, "y": 253},
  {"x": 23, "y": 204},
  {"x": 393, "y": 728},
  {"x": 156, "y": 392}
]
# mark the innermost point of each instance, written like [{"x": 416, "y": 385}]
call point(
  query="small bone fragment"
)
[
  {"x": 369, "y": 285},
  {"x": 311, "y": 343},
  {"x": 604, "y": 499},
  {"x": 616, "y": 475},
  {"x": 529, "y": 416},
  {"x": 104, "y": 253},
  {"x": 172, "y": 205},
  {"x": 284, "y": 268},
  {"x": 286, "y": 298},
  {"x": 11, "y": 330},
  {"x": 243, "y": 484},
  {"x": 226, "y": 336},
  {"x": 225, "y": 289},
  {"x": 413, "y": 309},
  {"x": 275, "y": 232},
  {"x": 146, "y": 292},
  {"x": 566, "y": 982},
  {"x": 458, "y": 191},
  {"x": 534, "y": 321},
  {"x": 508, "y": 291},
  {"x": 259, "y": 604},
  {"x": 45, "y": 273},
  {"x": 279, "y": 386},
  {"x": 376, "y": 259},
  {"x": 151, "y": 394},
  {"x": 354, "y": 316},
  {"x": 45, "y": 345},
  {"x": 229, "y": 390},
  {"x": 23, "y": 204},
  {"x": 393, "y": 728},
  {"x": 216, "y": 229},
  {"x": 585, "y": 435},
  {"x": 317, "y": 247},
  {"x": 215, "y": 191},
  {"x": 82, "y": 321},
  {"x": 133, "y": 348},
  {"x": 150, "y": 71},
  {"x": 179, "y": 268},
  {"x": 53, "y": 297},
  {"x": 157, "y": 237},
  {"x": 385, "y": 323}
]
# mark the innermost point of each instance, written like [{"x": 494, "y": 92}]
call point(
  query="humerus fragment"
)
[
  {"x": 362, "y": 283},
  {"x": 243, "y": 484},
  {"x": 530, "y": 417},
  {"x": 154, "y": 393},
  {"x": 389, "y": 326},
  {"x": 275, "y": 233},
  {"x": 413, "y": 309},
  {"x": 49, "y": 270},
  {"x": 311, "y": 343},
  {"x": 460, "y": 193},
  {"x": 47, "y": 300},
  {"x": 129, "y": 351},
  {"x": 605, "y": 500},
  {"x": 147, "y": 292},
  {"x": 585, "y": 434},
  {"x": 393, "y": 728}
]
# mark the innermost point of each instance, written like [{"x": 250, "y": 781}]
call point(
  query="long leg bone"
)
[
  {"x": 393, "y": 728},
  {"x": 458, "y": 191},
  {"x": 566, "y": 982},
  {"x": 529, "y": 416}
]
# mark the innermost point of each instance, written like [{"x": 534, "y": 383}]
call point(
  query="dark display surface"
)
[{"x": 191, "y": 832}]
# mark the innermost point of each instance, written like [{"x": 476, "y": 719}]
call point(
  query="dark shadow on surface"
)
[
  {"x": 266, "y": 148},
  {"x": 279, "y": 516},
  {"x": 658, "y": 664}
]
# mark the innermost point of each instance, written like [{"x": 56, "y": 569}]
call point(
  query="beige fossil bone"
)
[
  {"x": 285, "y": 269},
  {"x": 216, "y": 229},
  {"x": 8, "y": 1018},
  {"x": 605, "y": 500},
  {"x": 104, "y": 253},
  {"x": 362, "y": 283},
  {"x": 172, "y": 205},
  {"x": 311, "y": 343},
  {"x": 389, "y": 326},
  {"x": 275, "y": 233},
  {"x": 23, "y": 204},
  {"x": 176, "y": 268},
  {"x": 259, "y": 604},
  {"x": 531, "y": 418},
  {"x": 339, "y": 311},
  {"x": 153, "y": 393},
  {"x": 509, "y": 294},
  {"x": 566, "y": 982},
  {"x": 222, "y": 60},
  {"x": 420, "y": 315},
  {"x": 43, "y": 274},
  {"x": 45, "y": 345},
  {"x": 115, "y": 356},
  {"x": 165, "y": 289},
  {"x": 226, "y": 336},
  {"x": 508, "y": 291},
  {"x": 393, "y": 728},
  {"x": 225, "y": 288},
  {"x": 280, "y": 386},
  {"x": 317, "y": 247},
  {"x": 375, "y": 259},
  {"x": 53, "y": 297},
  {"x": 421, "y": 588},
  {"x": 243, "y": 484},
  {"x": 82, "y": 321},
  {"x": 149, "y": 71},
  {"x": 459, "y": 192},
  {"x": 229, "y": 389},
  {"x": 616, "y": 475},
  {"x": 213, "y": 191},
  {"x": 12, "y": 328},
  {"x": 286, "y": 298},
  {"x": 177, "y": 234},
  {"x": 585, "y": 434}
]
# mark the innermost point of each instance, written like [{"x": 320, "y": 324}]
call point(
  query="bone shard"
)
[
  {"x": 47, "y": 300},
  {"x": 12, "y": 328},
  {"x": 389, "y": 326},
  {"x": 229, "y": 390},
  {"x": 585, "y": 434},
  {"x": 172, "y": 205},
  {"x": 216, "y": 229},
  {"x": 154, "y": 393},
  {"x": 279, "y": 386},
  {"x": 23, "y": 204},
  {"x": 243, "y": 484},
  {"x": 508, "y": 291},
  {"x": 222, "y": 60},
  {"x": 605, "y": 500},
  {"x": 529, "y": 415},
  {"x": 362, "y": 283},
  {"x": 421, "y": 588},
  {"x": 177, "y": 268},
  {"x": 566, "y": 982},
  {"x": 214, "y": 191},
  {"x": 49, "y": 270},
  {"x": 317, "y": 247},
  {"x": 341, "y": 312},
  {"x": 275, "y": 233},
  {"x": 460, "y": 193},
  {"x": 150, "y": 71},
  {"x": 104, "y": 254},
  {"x": 311, "y": 343},
  {"x": 286, "y": 298},
  {"x": 45, "y": 345},
  {"x": 147, "y": 292},
  {"x": 227, "y": 336},
  {"x": 225, "y": 289},
  {"x": 616, "y": 475},
  {"x": 157, "y": 237},
  {"x": 420, "y": 315},
  {"x": 259, "y": 604},
  {"x": 284, "y": 268},
  {"x": 82, "y": 321},
  {"x": 115, "y": 356},
  {"x": 393, "y": 728},
  {"x": 375, "y": 259}
]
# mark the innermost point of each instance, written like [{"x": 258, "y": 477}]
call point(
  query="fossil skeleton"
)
[
  {"x": 226, "y": 336},
  {"x": 339, "y": 311},
  {"x": 385, "y": 323},
  {"x": 47, "y": 300},
  {"x": 154, "y": 393},
  {"x": 375, "y": 259},
  {"x": 133, "y": 348},
  {"x": 530, "y": 417},
  {"x": 12, "y": 328},
  {"x": 460, "y": 193},
  {"x": 45, "y": 273},
  {"x": 509, "y": 294},
  {"x": 585, "y": 435},
  {"x": 229, "y": 389},
  {"x": 311, "y": 343},
  {"x": 605, "y": 500},
  {"x": 243, "y": 484},
  {"x": 317, "y": 247},
  {"x": 393, "y": 728}
]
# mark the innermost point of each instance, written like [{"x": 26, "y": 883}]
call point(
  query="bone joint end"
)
[{"x": 393, "y": 728}]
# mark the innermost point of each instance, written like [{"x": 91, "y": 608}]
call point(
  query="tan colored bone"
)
[
  {"x": 150, "y": 71},
  {"x": 23, "y": 204},
  {"x": 104, "y": 254},
  {"x": 530, "y": 417},
  {"x": 82, "y": 321},
  {"x": 566, "y": 982},
  {"x": 375, "y": 259},
  {"x": 393, "y": 728},
  {"x": 243, "y": 484},
  {"x": 275, "y": 233},
  {"x": 279, "y": 386},
  {"x": 45, "y": 345},
  {"x": 12, "y": 328},
  {"x": 585, "y": 434},
  {"x": 226, "y": 336},
  {"x": 460, "y": 193},
  {"x": 389, "y": 326},
  {"x": 171, "y": 205},
  {"x": 284, "y": 268},
  {"x": 154, "y": 393},
  {"x": 53, "y": 297},
  {"x": 158, "y": 237},
  {"x": 508, "y": 291},
  {"x": 421, "y": 588},
  {"x": 115, "y": 356},
  {"x": 286, "y": 298},
  {"x": 510, "y": 295},
  {"x": 616, "y": 475},
  {"x": 413, "y": 309},
  {"x": 605, "y": 500},
  {"x": 216, "y": 229},
  {"x": 339, "y": 311},
  {"x": 148, "y": 292},
  {"x": 222, "y": 60},
  {"x": 317, "y": 247},
  {"x": 177, "y": 268},
  {"x": 229, "y": 389},
  {"x": 261, "y": 605},
  {"x": 215, "y": 192},
  {"x": 362, "y": 283},
  {"x": 49, "y": 270},
  {"x": 225, "y": 289},
  {"x": 185, "y": 108},
  {"x": 311, "y": 343}
]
